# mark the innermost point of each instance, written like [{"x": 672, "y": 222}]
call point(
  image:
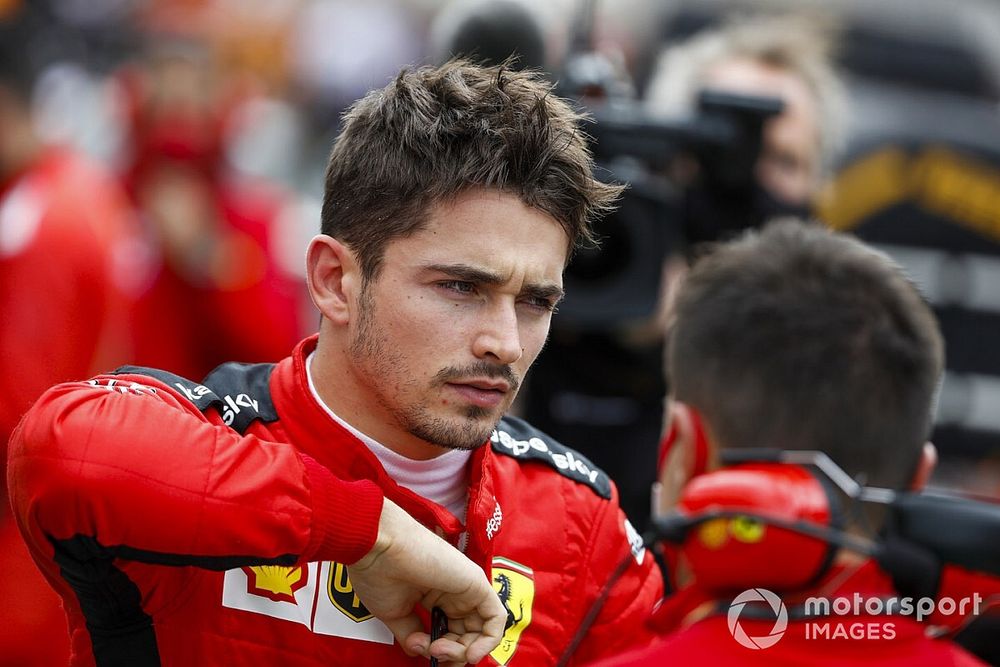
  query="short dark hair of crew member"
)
[{"x": 795, "y": 337}]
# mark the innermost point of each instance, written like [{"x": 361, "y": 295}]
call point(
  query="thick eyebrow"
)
[{"x": 479, "y": 276}]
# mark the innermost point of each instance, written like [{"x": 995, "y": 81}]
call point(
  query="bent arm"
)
[
  {"x": 118, "y": 469},
  {"x": 140, "y": 473}
]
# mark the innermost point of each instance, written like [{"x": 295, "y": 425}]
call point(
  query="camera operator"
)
[
  {"x": 616, "y": 397},
  {"x": 787, "y": 57},
  {"x": 775, "y": 336}
]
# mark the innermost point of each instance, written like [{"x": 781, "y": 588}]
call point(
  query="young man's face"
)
[{"x": 456, "y": 316}]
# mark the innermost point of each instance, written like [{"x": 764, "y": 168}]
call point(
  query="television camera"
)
[{"x": 690, "y": 180}]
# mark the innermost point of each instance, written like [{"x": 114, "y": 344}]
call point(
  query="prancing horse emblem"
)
[
  {"x": 515, "y": 586},
  {"x": 504, "y": 595}
]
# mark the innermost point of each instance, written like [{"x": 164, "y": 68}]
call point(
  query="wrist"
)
[{"x": 390, "y": 528}]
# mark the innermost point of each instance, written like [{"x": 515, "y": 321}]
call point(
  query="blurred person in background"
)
[
  {"x": 774, "y": 335},
  {"x": 66, "y": 238},
  {"x": 489, "y": 32},
  {"x": 611, "y": 407},
  {"x": 212, "y": 233},
  {"x": 454, "y": 198},
  {"x": 788, "y": 57}
]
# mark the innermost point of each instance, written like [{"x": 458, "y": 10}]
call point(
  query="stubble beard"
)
[{"x": 372, "y": 353}]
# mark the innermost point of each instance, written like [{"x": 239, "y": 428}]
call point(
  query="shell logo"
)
[{"x": 276, "y": 582}]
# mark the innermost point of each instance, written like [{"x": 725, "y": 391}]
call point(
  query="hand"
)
[{"x": 410, "y": 565}]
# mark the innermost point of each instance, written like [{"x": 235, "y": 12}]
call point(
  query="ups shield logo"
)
[
  {"x": 515, "y": 586},
  {"x": 342, "y": 594}
]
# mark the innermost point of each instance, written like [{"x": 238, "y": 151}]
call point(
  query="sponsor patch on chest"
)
[
  {"x": 515, "y": 586},
  {"x": 524, "y": 445},
  {"x": 317, "y": 595}
]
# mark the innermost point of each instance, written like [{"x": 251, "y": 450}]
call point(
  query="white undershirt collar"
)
[{"x": 443, "y": 479}]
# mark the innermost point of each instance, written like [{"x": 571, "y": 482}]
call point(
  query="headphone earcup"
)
[{"x": 735, "y": 547}]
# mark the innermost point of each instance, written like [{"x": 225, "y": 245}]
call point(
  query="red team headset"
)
[{"x": 776, "y": 519}]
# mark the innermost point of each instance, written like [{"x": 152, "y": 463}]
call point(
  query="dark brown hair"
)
[
  {"x": 435, "y": 132},
  {"x": 796, "y": 337}
]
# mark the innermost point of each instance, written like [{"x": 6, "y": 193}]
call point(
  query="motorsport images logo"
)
[
  {"x": 842, "y": 617},
  {"x": 757, "y": 597}
]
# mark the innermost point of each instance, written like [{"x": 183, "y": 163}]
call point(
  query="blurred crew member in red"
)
[
  {"x": 793, "y": 338},
  {"x": 212, "y": 234},
  {"x": 454, "y": 197}
]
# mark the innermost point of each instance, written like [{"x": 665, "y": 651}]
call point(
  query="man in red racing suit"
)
[
  {"x": 541, "y": 520},
  {"x": 189, "y": 524}
]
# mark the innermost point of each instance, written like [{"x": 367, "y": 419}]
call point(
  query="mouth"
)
[{"x": 482, "y": 393}]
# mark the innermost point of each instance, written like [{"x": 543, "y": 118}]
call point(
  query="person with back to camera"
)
[
  {"x": 454, "y": 197},
  {"x": 797, "y": 339}
]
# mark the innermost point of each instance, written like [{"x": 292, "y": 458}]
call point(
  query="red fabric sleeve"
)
[
  {"x": 625, "y": 576},
  {"x": 145, "y": 470},
  {"x": 351, "y": 534}
]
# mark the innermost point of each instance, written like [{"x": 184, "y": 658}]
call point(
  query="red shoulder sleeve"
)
[{"x": 134, "y": 467}]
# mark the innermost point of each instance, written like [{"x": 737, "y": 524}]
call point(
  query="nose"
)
[{"x": 499, "y": 337}]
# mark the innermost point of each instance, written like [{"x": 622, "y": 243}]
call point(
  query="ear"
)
[
  {"x": 333, "y": 277},
  {"x": 677, "y": 457},
  {"x": 925, "y": 467}
]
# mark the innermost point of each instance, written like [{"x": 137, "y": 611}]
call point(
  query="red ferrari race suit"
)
[
  {"x": 122, "y": 484},
  {"x": 820, "y": 641}
]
